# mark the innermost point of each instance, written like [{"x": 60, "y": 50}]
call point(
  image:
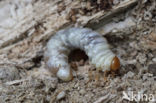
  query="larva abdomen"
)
[{"x": 95, "y": 46}]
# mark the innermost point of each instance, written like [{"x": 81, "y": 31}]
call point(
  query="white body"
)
[{"x": 94, "y": 45}]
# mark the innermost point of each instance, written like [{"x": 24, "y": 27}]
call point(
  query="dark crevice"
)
[{"x": 77, "y": 55}]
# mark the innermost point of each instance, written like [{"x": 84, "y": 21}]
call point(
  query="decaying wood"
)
[{"x": 44, "y": 12}]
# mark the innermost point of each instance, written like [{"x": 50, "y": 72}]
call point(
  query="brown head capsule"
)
[{"x": 115, "y": 64}]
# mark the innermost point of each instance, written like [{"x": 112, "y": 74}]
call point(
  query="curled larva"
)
[{"x": 94, "y": 45}]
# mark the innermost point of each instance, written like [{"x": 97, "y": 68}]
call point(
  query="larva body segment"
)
[{"x": 95, "y": 46}]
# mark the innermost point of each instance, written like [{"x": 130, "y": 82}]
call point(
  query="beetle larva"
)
[{"x": 94, "y": 45}]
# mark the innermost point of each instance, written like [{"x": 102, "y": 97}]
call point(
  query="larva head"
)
[{"x": 115, "y": 64}]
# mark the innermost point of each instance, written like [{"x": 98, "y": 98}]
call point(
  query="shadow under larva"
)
[{"x": 66, "y": 40}]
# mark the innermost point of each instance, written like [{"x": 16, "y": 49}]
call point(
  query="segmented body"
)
[{"x": 94, "y": 45}]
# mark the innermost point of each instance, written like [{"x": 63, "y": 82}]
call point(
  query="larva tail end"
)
[
  {"x": 65, "y": 75},
  {"x": 115, "y": 64}
]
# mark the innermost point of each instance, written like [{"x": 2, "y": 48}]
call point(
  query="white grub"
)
[{"x": 95, "y": 46}]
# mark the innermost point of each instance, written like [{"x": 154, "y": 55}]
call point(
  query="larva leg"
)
[
  {"x": 90, "y": 76},
  {"x": 97, "y": 76},
  {"x": 105, "y": 75}
]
